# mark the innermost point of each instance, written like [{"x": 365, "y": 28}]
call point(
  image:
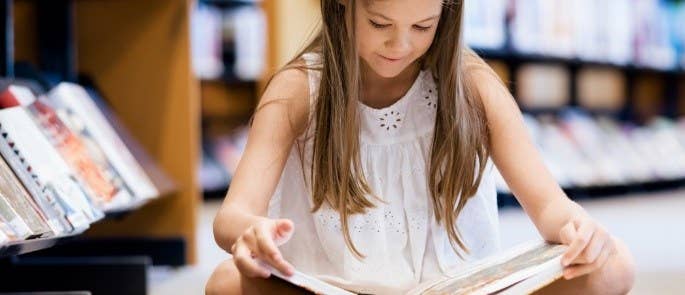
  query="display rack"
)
[{"x": 136, "y": 56}]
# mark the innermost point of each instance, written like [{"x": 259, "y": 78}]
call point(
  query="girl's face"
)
[{"x": 391, "y": 35}]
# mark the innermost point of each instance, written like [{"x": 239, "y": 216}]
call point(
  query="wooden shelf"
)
[
  {"x": 229, "y": 3},
  {"x": 511, "y": 56},
  {"x": 138, "y": 54},
  {"x": 226, "y": 102}
]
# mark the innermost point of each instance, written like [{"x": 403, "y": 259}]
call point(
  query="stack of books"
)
[{"x": 64, "y": 164}]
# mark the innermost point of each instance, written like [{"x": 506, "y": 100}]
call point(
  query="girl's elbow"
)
[{"x": 221, "y": 236}]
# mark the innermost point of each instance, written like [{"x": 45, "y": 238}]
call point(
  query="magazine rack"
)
[{"x": 136, "y": 56}]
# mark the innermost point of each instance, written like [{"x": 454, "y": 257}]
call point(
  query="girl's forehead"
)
[{"x": 404, "y": 10}]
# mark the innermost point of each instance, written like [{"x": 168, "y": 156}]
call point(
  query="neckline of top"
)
[{"x": 400, "y": 101}]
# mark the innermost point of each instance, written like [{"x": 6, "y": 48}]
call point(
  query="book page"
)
[
  {"x": 512, "y": 268},
  {"x": 307, "y": 282}
]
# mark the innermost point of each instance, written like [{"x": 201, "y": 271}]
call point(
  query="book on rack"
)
[
  {"x": 164, "y": 184},
  {"x": 521, "y": 270},
  {"x": 45, "y": 174},
  {"x": 485, "y": 24},
  {"x": 28, "y": 221},
  {"x": 12, "y": 226},
  {"x": 75, "y": 102},
  {"x": 4, "y": 238},
  {"x": 91, "y": 168}
]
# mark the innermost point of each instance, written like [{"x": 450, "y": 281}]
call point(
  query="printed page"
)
[{"x": 498, "y": 271}]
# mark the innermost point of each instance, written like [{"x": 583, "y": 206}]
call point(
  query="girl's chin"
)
[{"x": 387, "y": 72}]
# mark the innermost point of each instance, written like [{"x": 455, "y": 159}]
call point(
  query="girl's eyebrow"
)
[{"x": 390, "y": 19}]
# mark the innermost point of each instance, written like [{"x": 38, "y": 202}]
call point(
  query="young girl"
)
[{"x": 370, "y": 155}]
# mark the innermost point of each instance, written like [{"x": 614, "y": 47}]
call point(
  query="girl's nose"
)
[{"x": 399, "y": 43}]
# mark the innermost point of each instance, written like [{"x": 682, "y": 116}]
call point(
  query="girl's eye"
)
[
  {"x": 420, "y": 28},
  {"x": 377, "y": 25}
]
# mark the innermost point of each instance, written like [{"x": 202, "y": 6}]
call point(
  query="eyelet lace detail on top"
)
[
  {"x": 429, "y": 96},
  {"x": 391, "y": 119},
  {"x": 411, "y": 116}
]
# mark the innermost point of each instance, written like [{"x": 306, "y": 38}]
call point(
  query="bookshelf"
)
[
  {"x": 137, "y": 56},
  {"x": 143, "y": 67},
  {"x": 227, "y": 101},
  {"x": 290, "y": 27}
]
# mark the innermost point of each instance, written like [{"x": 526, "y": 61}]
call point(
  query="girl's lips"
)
[{"x": 390, "y": 59}]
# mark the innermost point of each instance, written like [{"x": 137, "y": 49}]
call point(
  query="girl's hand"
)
[
  {"x": 261, "y": 241},
  {"x": 590, "y": 246}
]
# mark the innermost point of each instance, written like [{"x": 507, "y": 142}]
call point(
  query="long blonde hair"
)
[{"x": 459, "y": 150}]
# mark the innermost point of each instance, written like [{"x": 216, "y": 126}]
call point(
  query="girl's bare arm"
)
[
  {"x": 281, "y": 116},
  {"x": 520, "y": 163}
]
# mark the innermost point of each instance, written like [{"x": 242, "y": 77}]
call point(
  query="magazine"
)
[
  {"x": 523, "y": 269},
  {"x": 89, "y": 167},
  {"x": 50, "y": 170},
  {"x": 77, "y": 102}
]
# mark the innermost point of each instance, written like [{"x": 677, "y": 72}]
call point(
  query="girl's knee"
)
[
  {"x": 224, "y": 280},
  {"x": 624, "y": 271}
]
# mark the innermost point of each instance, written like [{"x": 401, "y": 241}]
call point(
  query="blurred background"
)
[{"x": 601, "y": 84}]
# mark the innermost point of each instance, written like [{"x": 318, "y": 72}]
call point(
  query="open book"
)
[{"x": 521, "y": 270}]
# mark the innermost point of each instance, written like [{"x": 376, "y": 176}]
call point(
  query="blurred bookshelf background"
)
[{"x": 601, "y": 85}]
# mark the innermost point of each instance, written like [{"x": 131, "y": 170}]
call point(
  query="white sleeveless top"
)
[{"x": 402, "y": 242}]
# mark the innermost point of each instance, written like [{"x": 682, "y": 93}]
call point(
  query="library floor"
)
[{"x": 653, "y": 227}]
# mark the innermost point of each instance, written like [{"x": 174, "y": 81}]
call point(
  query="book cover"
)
[
  {"x": 51, "y": 172},
  {"x": 86, "y": 161},
  {"x": 160, "y": 179},
  {"x": 77, "y": 102},
  {"x": 54, "y": 214}
]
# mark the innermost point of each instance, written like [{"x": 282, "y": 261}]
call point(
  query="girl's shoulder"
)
[
  {"x": 472, "y": 62},
  {"x": 479, "y": 74},
  {"x": 288, "y": 90}
]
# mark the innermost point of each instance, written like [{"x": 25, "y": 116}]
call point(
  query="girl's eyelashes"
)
[
  {"x": 377, "y": 25},
  {"x": 383, "y": 26},
  {"x": 421, "y": 28}
]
